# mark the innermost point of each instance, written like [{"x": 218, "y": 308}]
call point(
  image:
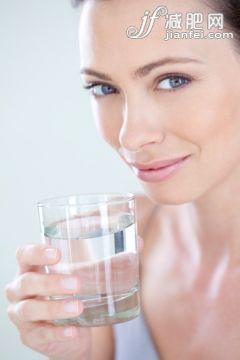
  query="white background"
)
[{"x": 48, "y": 143}]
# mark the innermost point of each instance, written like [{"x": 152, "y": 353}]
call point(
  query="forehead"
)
[{"x": 103, "y": 33}]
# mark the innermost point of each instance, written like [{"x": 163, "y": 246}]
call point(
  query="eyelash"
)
[{"x": 189, "y": 79}]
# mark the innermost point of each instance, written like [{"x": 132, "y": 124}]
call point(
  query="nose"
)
[{"x": 142, "y": 124}]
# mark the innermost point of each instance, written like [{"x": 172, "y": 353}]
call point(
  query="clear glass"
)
[{"x": 96, "y": 234}]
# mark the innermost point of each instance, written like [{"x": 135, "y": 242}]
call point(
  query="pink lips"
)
[{"x": 159, "y": 170}]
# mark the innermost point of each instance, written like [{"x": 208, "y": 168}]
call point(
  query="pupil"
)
[
  {"x": 106, "y": 88},
  {"x": 175, "y": 82}
]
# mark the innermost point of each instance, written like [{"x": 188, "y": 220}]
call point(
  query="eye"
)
[
  {"x": 100, "y": 90},
  {"x": 173, "y": 82}
]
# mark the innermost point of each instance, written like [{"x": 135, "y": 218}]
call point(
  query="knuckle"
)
[
  {"x": 10, "y": 313},
  {"x": 53, "y": 309},
  {"x": 51, "y": 284},
  {"x": 25, "y": 252},
  {"x": 23, "y": 284},
  {"x": 50, "y": 310},
  {"x": 24, "y": 310},
  {"x": 19, "y": 252},
  {"x": 8, "y": 292},
  {"x": 47, "y": 284}
]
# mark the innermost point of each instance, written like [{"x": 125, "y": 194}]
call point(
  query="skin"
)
[
  {"x": 31, "y": 312},
  {"x": 191, "y": 249},
  {"x": 201, "y": 119}
]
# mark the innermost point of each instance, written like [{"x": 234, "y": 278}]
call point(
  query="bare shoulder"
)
[
  {"x": 144, "y": 208},
  {"x": 102, "y": 343}
]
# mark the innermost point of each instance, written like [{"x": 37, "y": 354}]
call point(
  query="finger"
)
[
  {"x": 44, "y": 338},
  {"x": 36, "y": 335},
  {"x": 30, "y": 256},
  {"x": 44, "y": 310},
  {"x": 36, "y": 284}
]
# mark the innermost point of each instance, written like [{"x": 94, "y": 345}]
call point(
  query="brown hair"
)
[{"x": 231, "y": 12}]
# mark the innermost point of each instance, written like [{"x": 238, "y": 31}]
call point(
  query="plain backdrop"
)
[{"x": 48, "y": 143}]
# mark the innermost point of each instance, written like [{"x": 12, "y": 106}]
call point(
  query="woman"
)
[{"x": 171, "y": 110}]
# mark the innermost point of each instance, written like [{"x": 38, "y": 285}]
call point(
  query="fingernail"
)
[
  {"x": 72, "y": 306},
  {"x": 50, "y": 254},
  {"x": 70, "y": 283},
  {"x": 69, "y": 332}
]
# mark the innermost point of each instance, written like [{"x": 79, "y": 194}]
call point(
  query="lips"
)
[
  {"x": 159, "y": 170},
  {"x": 158, "y": 164}
]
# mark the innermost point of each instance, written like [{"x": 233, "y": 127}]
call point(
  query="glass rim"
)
[{"x": 52, "y": 202}]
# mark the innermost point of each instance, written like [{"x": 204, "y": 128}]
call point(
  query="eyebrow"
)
[{"x": 146, "y": 69}]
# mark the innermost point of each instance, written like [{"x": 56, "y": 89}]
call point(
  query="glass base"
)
[{"x": 106, "y": 310}]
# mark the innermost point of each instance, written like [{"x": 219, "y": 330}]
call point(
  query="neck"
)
[{"x": 215, "y": 220}]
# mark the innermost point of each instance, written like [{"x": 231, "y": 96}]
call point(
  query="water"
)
[{"x": 106, "y": 261}]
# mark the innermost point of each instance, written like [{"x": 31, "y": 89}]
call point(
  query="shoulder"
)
[{"x": 144, "y": 209}]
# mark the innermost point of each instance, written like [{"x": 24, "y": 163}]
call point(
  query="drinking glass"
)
[{"x": 96, "y": 235}]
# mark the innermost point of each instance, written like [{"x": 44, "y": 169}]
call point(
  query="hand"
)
[{"x": 31, "y": 312}]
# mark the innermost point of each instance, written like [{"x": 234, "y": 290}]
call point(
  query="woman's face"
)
[{"x": 177, "y": 108}]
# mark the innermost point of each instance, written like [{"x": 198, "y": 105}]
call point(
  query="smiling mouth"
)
[
  {"x": 159, "y": 164},
  {"x": 156, "y": 172}
]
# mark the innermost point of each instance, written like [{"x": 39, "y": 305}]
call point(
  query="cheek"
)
[
  {"x": 211, "y": 123},
  {"x": 216, "y": 132},
  {"x": 209, "y": 115},
  {"x": 221, "y": 148},
  {"x": 219, "y": 133},
  {"x": 108, "y": 122}
]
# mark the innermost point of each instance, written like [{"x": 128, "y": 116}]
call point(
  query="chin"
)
[{"x": 176, "y": 196}]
